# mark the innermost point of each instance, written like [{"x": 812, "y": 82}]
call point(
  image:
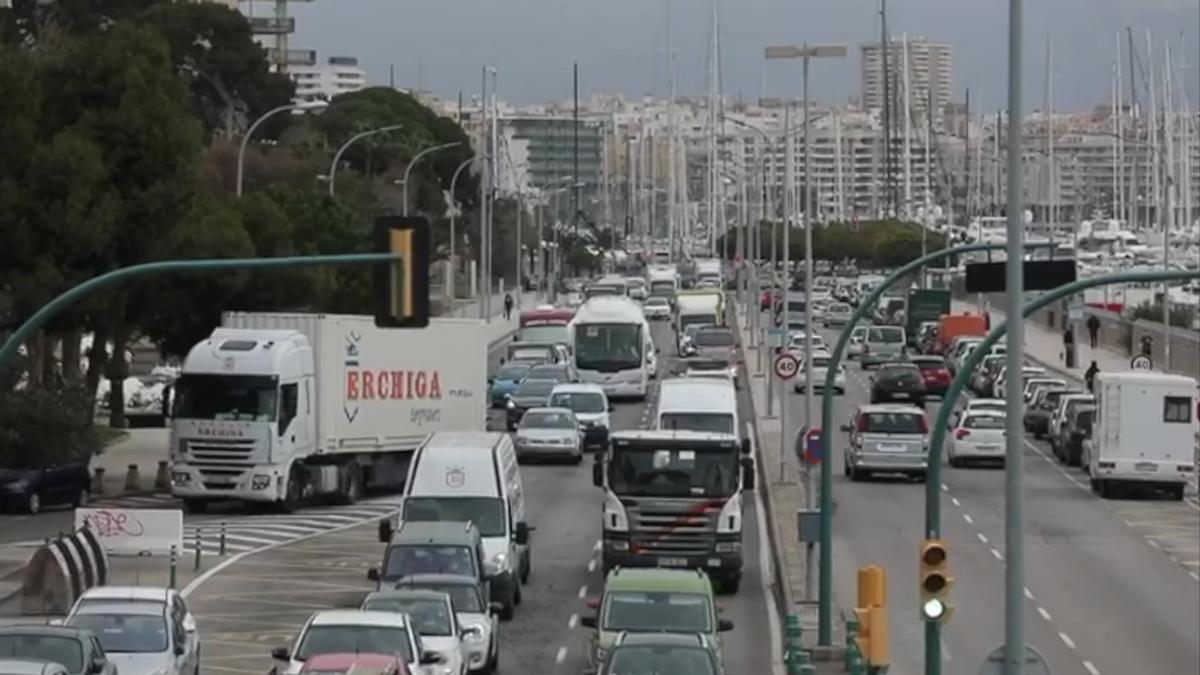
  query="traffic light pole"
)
[
  {"x": 40, "y": 318},
  {"x": 933, "y": 482}
]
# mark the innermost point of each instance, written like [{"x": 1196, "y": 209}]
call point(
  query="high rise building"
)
[
  {"x": 930, "y": 73},
  {"x": 323, "y": 81}
]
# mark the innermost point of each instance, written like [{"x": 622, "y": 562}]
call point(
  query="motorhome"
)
[{"x": 612, "y": 346}]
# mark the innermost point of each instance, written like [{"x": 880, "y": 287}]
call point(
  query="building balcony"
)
[
  {"x": 273, "y": 25},
  {"x": 294, "y": 57}
]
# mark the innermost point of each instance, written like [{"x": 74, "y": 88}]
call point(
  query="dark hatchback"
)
[
  {"x": 898, "y": 383},
  {"x": 1037, "y": 416},
  {"x": 75, "y": 649},
  {"x": 528, "y": 394},
  {"x": 1079, "y": 428},
  {"x": 31, "y": 490}
]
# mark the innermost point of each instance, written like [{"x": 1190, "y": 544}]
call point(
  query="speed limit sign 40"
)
[{"x": 786, "y": 366}]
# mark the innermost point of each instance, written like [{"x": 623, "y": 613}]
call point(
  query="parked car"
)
[
  {"x": 978, "y": 436},
  {"x": 1041, "y": 409},
  {"x": 898, "y": 382},
  {"x": 887, "y": 438},
  {"x": 75, "y": 649},
  {"x": 549, "y": 433},
  {"x": 1077, "y": 430},
  {"x": 31, "y": 490},
  {"x": 1067, "y": 405}
]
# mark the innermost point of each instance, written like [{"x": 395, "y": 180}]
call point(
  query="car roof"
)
[
  {"x": 408, "y": 594},
  {"x": 128, "y": 593},
  {"x": 890, "y": 408},
  {"x": 441, "y": 532},
  {"x": 359, "y": 617},
  {"x": 549, "y": 409},
  {"x": 439, "y": 579},
  {"x": 145, "y": 608},
  {"x": 638, "y": 639},
  {"x": 578, "y": 388},
  {"x": 652, "y": 579}
]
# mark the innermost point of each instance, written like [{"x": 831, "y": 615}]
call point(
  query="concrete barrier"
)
[{"x": 61, "y": 570}]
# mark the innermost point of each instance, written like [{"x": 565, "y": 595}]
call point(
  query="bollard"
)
[
  {"x": 851, "y": 641},
  {"x": 795, "y": 647},
  {"x": 133, "y": 479},
  {"x": 174, "y": 565},
  {"x": 196, "y": 567},
  {"x": 162, "y": 479},
  {"x": 222, "y": 540},
  {"x": 98, "y": 482}
]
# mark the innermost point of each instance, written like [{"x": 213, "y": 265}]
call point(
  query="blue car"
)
[{"x": 504, "y": 382}]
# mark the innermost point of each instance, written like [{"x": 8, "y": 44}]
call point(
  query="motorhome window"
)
[
  {"x": 651, "y": 472},
  {"x": 688, "y": 320},
  {"x": 555, "y": 334},
  {"x": 717, "y": 423},
  {"x": 487, "y": 513},
  {"x": 238, "y": 345},
  {"x": 885, "y": 335},
  {"x": 714, "y": 338},
  {"x": 234, "y": 398},
  {"x": 580, "y": 402},
  {"x": 288, "y": 405},
  {"x": 1177, "y": 409},
  {"x": 608, "y": 347}
]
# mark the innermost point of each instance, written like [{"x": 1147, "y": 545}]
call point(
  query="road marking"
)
[
  {"x": 1194, "y": 575},
  {"x": 1044, "y": 613},
  {"x": 967, "y": 517},
  {"x": 954, "y": 501},
  {"x": 997, "y": 555},
  {"x": 1066, "y": 640},
  {"x": 591, "y": 566},
  {"x": 573, "y": 621},
  {"x": 583, "y": 591},
  {"x": 561, "y": 655},
  {"x": 982, "y": 538},
  {"x": 945, "y": 488},
  {"x": 1028, "y": 593},
  {"x": 597, "y": 545},
  {"x": 1092, "y": 670},
  {"x": 1153, "y": 544}
]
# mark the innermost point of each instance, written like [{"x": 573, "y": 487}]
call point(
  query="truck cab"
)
[{"x": 675, "y": 499}]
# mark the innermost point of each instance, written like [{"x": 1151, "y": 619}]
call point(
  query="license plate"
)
[
  {"x": 1148, "y": 467},
  {"x": 672, "y": 562},
  {"x": 890, "y": 447},
  {"x": 987, "y": 448},
  {"x": 900, "y": 394}
]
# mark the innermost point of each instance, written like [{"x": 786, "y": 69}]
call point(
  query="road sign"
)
[
  {"x": 813, "y": 452},
  {"x": 1075, "y": 312},
  {"x": 786, "y": 366},
  {"x": 1035, "y": 664},
  {"x": 1141, "y": 362}
]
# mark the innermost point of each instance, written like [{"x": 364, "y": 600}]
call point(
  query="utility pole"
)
[
  {"x": 1134, "y": 184},
  {"x": 907, "y": 210},
  {"x": 575, "y": 161},
  {"x": 889, "y": 206},
  {"x": 485, "y": 285}
]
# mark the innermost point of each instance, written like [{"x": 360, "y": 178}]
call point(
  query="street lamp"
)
[
  {"x": 338, "y": 155},
  {"x": 805, "y": 53},
  {"x": 454, "y": 213},
  {"x": 408, "y": 169},
  {"x": 307, "y": 106}
]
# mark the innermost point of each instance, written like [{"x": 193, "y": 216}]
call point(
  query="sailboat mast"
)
[
  {"x": 886, "y": 111},
  {"x": 907, "y": 133},
  {"x": 1051, "y": 182}
]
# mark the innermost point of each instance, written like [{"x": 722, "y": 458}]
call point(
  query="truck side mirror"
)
[
  {"x": 385, "y": 530},
  {"x": 747, "y": 473},
  {"x": 598, "y": 472},
  {"x": 373, "y": 574},
  {"x": 587, "y": 621},
  {"x": 521, "y": 533},
  {"x": 745, "y": 446}
]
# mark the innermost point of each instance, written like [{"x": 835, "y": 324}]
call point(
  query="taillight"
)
[
  {"x": 961, "y": 434},
  {"x": 862, "y": 423},
  {"x": 924, "y": 424}
]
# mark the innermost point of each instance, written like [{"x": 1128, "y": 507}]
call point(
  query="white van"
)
[
  {"x": 1143, "y": 434},
  {"x": 473, "y": 477},
  {"x": 698, "y": 404}
]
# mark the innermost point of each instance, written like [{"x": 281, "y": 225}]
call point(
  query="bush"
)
[
  {"x": 1181, "y": 316},
  {"x": 45, "y": 427}
]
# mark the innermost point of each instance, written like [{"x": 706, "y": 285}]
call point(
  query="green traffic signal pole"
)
[
  {"x": 48, "y": 311},
  {"x": 933, "y": 501},
  {"x": 825, "y": 604}
]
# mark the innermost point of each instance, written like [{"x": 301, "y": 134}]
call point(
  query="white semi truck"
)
[{"x": 280, "y": 408}]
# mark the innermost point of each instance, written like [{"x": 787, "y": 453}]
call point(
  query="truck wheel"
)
[
  {"x": 353, "y": 484},
  {"x": 291, "y": 498},
  {"x": 195, "y": 505},
  {"x": 1175, "y": 492},
  {"x": 731, "y": 584}
]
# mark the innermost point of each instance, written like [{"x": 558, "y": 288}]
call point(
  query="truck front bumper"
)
[
  {"x": 722, "y": 559},
  {"x": 259, "y": 483}
]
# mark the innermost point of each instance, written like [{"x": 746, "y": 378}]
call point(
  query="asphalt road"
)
[
  {"x": 260, "y": 601},
  {"x": 1112, "y": 586}
]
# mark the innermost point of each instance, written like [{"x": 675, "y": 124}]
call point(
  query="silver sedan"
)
[{"x": 549, "y": 433}]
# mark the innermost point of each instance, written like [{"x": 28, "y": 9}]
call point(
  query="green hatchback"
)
[{"x": 653, "y": 600}]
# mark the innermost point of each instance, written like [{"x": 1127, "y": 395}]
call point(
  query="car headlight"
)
[
  {"x": 510, "y": 405},
  {"x": 500, "y": 560},
  {"x": 474, "y": 633}
]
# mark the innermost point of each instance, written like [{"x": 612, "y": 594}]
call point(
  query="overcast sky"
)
[{"x": 621, "y": 45}]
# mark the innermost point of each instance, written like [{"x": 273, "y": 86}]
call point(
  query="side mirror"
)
[
  {"x": 593, "y": 603},
  {"x": 502, "y": 360},
  {"x": 587, "y": 621},
  {"x": 98, "y": 666},
  {"x": 495, "y": 607},
  {"x": 521, "y": 533},
  {"x": 281, "y": 654},
  {"x": 748, "y": 473},
  {"x": 385, "y": 530},
  {"x": 846, "y": 428},
  {"x": 598, "y": 473},
  {"x": 373, "y": 574},
  {"x": 189, "y": 624},
  {"x": 429, "y": 658},
  {"x": 745, "y": 446},
  {"x": 179, "y": 648},
  {"x": 725, "y": 625},
  {"x": 491, "y": 380}
]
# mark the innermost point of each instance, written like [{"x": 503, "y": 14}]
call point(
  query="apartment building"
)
[{"x": 930, "y": 73}]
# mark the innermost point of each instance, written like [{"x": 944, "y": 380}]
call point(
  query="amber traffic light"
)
[
  {"x": 401, "y": 287},
  {"x": 935, "y": 581}
]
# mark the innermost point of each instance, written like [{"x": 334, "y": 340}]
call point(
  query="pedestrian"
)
[
  {"x": 1069, "y": 346},
  {"x": 1093, "y": 326},
  {"x": 508, "y": 305},
  {"x": 1090, "y": 376}
]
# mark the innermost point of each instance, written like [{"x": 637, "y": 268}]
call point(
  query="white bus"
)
[{"x": 612, "y": 346}]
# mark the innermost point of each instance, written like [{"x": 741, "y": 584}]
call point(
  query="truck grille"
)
[
  {"x": 220, "y": 462},
  {"x": 672, "y": 527}
]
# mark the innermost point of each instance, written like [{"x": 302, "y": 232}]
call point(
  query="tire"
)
[
  {"x": 195, "y": 505},
  {"x": 845, "y": 467},
  {"x": 1105, "y": 488},
  {"x": 528, "y": 568},
  {"x": 293, "y": 492},
  {"x": 33, "y": 504},
  {"x": 857, "y": 474},
  {"x": 354, "y": 485},
  {"x": 81, "y": 498},
  {"x": 955, "y": 462},
  {"x": 516, "y": 598},
  {"x": 1175, "y": 492},
  {"x": 730, "y": 585},
  {"x": 920, "y": 476}
]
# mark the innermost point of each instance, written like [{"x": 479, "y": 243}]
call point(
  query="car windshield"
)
[
  {"x": 126, "y": 633},
  {"x": 555, "y": 334},
  {"x": 660, "y": 660},
  {"x": 717, "y": 423},
  {"x": 463, "y": 598},
  {"x": 332, "y": 639},
  {"x": 63, "y": 650},
  {"x": 248, "y": 398},
  {"x": 1083, "y": 419},
  {"x": 512, "y": 373},
  {"x": 429, "y": 616},
  {"x": 885, "y": 335},
  {"x": 714, "y": 338},
  {"x": 984, "y": 422},
  {"x": 697, "y": 320},
  {"x": 407, "y": 559},
  {"x": 657, "y": 301},
  {"x": 673, "y": 473},
  {"x": 657, "y": 612},
  {"x": 580, "y": 402},
  {"x": 557, "y": 373},
  {"x": 487, "y": 513},
  {"x": 990, "y": 405},
  {"x": 690, "y": 330},
  {"x": 534, "y": 388},
  {"x": 547, "y": 420},
  {"x": 893, "y": 423}
]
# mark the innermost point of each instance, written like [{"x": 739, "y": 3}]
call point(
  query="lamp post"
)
[
  {"x": 805, "y": 53},
  {"x": 408, "y": 169},
  {"x": 454, "y": 213},
  {"x": 241, "y": 160},
  {"x": 337, "y": 157}
]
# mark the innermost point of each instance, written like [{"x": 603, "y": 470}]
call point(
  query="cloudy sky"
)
[{"x": 621, "y": 45}]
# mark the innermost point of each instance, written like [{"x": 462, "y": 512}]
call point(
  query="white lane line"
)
[
  {"x": 1153, "y": 544},
  {"x": 561, "y": 655},
  {"x": 954, "y": 501},
  {"x": 1092, "y": 670},
  {"x": 982, "y": 538},
  {"x": 573, "y": 621},
  {"x": 597, "y": 545},
  {"x": 967, "y": 517},
  {"x": 1028, "y": 593},
  {"x": 997, "y": 555},
  {"x": 1194, "y": 575},
  {"x": 583, "y": 591},
  {"x": 591, "y": 566},
  {"x": 1044, "y": 613},
  {"x": 945, "y": 488},
  {"x": 1066, "y": 640}
]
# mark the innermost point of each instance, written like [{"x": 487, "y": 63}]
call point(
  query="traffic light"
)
[
  {"x": 935, "y": 581},
  {"x": 871, "y": 612},
  {"x": 401, "y": 287}
]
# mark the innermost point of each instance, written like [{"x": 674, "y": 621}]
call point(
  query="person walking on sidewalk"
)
[
  {"x": 1089, "y": 377},
  {"x": 508, "y": 305},
  {"x": 1093, "y": 326},
  {"x": 1069, "y": 346}
]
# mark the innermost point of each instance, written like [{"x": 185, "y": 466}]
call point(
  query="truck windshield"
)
[
  {"x": 664, "y": 288},
  {"x": 608, "y": 347},
  {"x": 555, "y": 334},
  {"x": 686, "y": 320},
  {"x": 487, "y": 513},
  {"x": 673, "y": 473},
  {"x": 239, "y": 398},
  {"x": 717, "y": 423}
]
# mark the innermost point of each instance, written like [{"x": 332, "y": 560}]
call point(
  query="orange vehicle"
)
[{"x": 951, "y": 326}]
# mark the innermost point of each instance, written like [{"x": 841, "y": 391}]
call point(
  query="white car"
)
[
  {"x": 797, "y": 339},
  {"x": 481, "y": 641},
  {"x": 351, "y": 631},
  {"x": 998, "y": 388},
  {"x": 144, "y": 630},
  {"x": 858, "y": 341},
  {"x": 978, "y": 435},
  {"x": 820, "y": 368},
  {"x": 432, "y": 614},
  {"x": 838, "y": 314},
  {"x": 591, "y": 407},
  {"x": 656, "y": 307},
  {"x": 977, "y": 405}
]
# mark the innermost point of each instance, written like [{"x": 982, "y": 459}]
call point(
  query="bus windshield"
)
[{"x": 608, "y": 347}]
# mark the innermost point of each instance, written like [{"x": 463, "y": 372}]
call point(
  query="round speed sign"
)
[{"x": 786, "y": 366}]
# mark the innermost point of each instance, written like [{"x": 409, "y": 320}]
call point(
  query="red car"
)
[
  {"x": 769, "y": 297},
  {"x": 355, "y": 664},
  {"x": 934, "y": 372}
]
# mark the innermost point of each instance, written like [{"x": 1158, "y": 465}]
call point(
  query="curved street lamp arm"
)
[
  {"x": 250, "y": 132},
  {"x": 337, "y": 157}
]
